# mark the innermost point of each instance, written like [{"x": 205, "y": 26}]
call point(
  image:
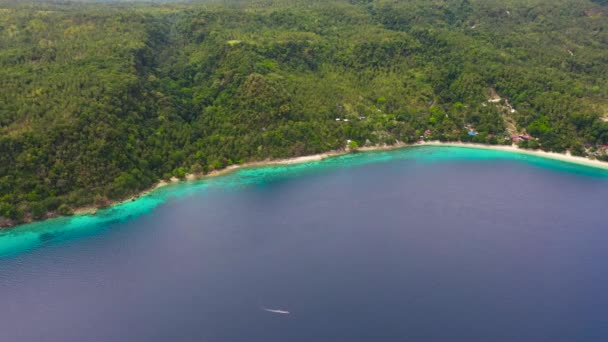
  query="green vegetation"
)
[{"x": 99, "y": 101}]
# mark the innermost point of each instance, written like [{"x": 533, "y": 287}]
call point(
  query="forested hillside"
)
[{"x": 99, "y": 101}]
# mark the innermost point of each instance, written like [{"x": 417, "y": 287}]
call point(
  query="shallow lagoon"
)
[{"x": 425, "y": 243}]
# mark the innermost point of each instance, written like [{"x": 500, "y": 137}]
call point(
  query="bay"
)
[{"x": 416, "y": 244}]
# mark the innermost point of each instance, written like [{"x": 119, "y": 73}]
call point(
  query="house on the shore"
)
[{"x": 517, "y": 138}]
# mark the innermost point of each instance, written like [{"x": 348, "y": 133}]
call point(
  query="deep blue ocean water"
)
[{"x": 418, "y": 244}]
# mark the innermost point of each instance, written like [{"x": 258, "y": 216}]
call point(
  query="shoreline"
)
[
  {"x": 563, "y": 157},
  {"x": 216, "y": 173}
]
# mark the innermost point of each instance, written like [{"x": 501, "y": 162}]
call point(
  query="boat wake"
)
[{"x": 281, "y": 312}]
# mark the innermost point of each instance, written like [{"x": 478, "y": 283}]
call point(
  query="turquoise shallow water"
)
[{"x": 29, "y": 236}]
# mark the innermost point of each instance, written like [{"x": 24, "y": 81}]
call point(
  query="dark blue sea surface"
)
[{"x": 419, "y": 244}]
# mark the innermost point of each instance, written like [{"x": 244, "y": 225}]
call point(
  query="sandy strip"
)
[{"x": 514, "y": 149}]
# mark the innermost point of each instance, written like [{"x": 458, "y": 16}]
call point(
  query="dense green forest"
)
[{"x": 100, "y": 101}]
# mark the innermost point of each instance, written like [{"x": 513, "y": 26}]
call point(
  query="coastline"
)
[
  {"x": 335, "y": 153},
  {"x": 564, "y": 157},
  {"x": 567, "y": 158},
  {"x": 91, "y": 209}
]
